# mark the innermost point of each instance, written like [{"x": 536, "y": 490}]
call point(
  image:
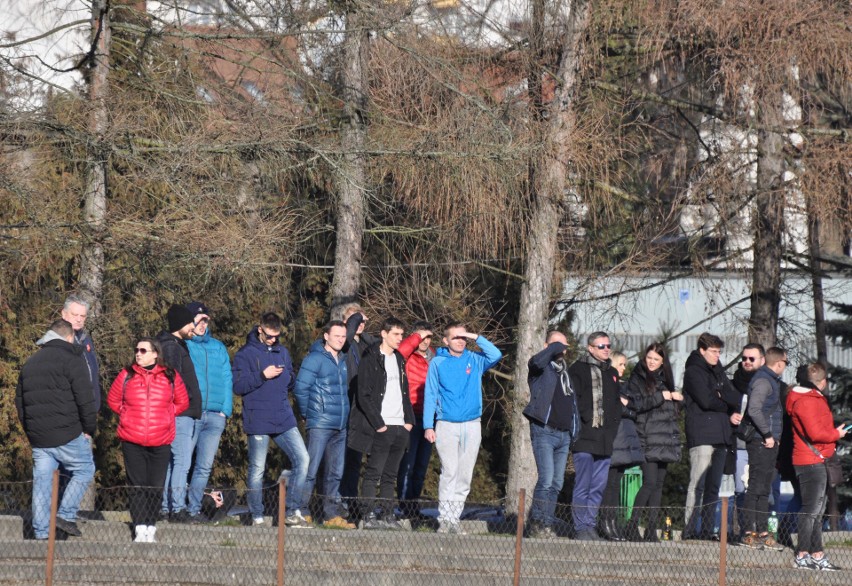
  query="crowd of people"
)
[{"x": 374, "y": 406}]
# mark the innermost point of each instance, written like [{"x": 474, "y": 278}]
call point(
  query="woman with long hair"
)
[
  {"x": 657, "y": 423},
  {"x": 146, "y": 395}
]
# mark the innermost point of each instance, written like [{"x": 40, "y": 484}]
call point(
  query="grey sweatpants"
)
[{"x": 458, "y": 447}]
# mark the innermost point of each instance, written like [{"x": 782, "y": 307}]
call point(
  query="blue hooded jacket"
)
[
  {"x": 322, "y": 389},
  {"x": 266, "y": 403},
  {"x": 213, "y": 369},
  {"x": 454, "y": 384}
]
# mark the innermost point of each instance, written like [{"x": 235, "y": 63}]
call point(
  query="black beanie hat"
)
[{"x": 178, "y": 316}]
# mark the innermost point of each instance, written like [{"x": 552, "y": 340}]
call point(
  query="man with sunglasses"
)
[
  {"x": 752, "y": 358},
  {"x": 765, "y": 414},
  {"x": 599, "y": 405},
  {"x": 181, "y": 327},
  {"x": 264, "y": 377},
  {"x": 213, "y": 369}
]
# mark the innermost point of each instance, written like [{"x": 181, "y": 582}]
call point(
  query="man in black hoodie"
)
[
  {"x": 57, "y": 411},
  {"x": 712, "y": 406},
  {"x": 176, "y": 355}
]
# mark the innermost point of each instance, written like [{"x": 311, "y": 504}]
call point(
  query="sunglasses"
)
[
  {"x": 270, "y": 336},
  {"x": 603, "y": 346},
  {"x": 143, "y": 351},
  {"x": 749, "y": 359}
]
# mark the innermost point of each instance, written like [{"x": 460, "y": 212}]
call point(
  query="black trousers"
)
[
  {"x": 761, "y": 473},
  {"x": 382, "y": 467},
  {"x": 145, "y": 468}
]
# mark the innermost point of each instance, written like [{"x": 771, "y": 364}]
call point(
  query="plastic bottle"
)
[
  {"x": 773, "y": 524},
  {"x": 667, "y": 533}
]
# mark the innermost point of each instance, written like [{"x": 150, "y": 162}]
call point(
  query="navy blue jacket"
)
[
  {"x": 322, "y": 389},
  {"x": 543, "y": 380},
  {"x": 266, "y": 402}
]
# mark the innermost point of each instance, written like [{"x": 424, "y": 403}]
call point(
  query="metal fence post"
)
[
  {"x": 723, "y": 542},
  {"x": 282, "y": 497},
  {"x": 519, "y": 535},
  {"x": 51, "y": 536}
]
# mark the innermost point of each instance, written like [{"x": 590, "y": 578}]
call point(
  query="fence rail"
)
[{"x": 496, "y": 545}]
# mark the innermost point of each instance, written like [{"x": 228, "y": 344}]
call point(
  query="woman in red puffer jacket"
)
[{"x": 146, "y": 395}]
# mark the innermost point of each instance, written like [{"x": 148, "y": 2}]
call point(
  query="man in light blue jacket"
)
[
  {"x": 213, "y": 369},
  {"x": 451, "y": 416}
]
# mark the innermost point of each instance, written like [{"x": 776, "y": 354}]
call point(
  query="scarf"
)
[
  {"x": 564, "y": 379},
  {"x": 596, "y": 371}
]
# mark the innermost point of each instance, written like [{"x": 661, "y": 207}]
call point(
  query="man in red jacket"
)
[
  {"x": 417, "y": 351},
  {"x": 814, "y": 440}
]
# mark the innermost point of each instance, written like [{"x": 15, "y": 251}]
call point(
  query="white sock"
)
[
  {"x": 152, "y": 530},
  {"x": 141, "y": 534}
]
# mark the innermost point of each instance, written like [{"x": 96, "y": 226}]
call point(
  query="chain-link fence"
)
[{"x": 386, "y": 544}]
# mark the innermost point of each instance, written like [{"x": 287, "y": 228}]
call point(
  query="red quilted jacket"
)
[
  {"x": 415, "y": 369},
  {"x": 146, "y": 405}
]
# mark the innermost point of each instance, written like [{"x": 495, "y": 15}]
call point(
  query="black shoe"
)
[
  {"x": 588, "y": 535},
  {"x": 68, "y": 527},
  {"x": 651, "y": 535},
  {"x": 631, "y": 531},
  {"x": 198, "y": 519},
  {"x": 163, "y": 516},
  {"x": 611, "y": 530},
  {"x": 181, "y": 516}
]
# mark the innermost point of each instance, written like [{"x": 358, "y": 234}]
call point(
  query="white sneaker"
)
[
  {"x": 141, "y": 534},
  {"x": 152, "y": 531},
  {"x": 257, "y": 521}
]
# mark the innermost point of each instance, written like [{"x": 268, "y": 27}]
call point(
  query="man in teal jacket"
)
[
  {"x": 451, "y": 416},
  {"x": 213, "y": 369}
]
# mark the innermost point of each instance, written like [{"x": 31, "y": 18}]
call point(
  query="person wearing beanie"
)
[
  {"x": 181, "y": 327},
  {"x": 213, "y": 368}
]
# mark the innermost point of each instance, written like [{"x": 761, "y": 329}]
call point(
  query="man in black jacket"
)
[
  {"x": 380, "y": 421},
  {"x": 57, "y": 411},
  {"x": 599, "y": 404},
  {"x": 753, "y": 356},
  {"x": 181, "y": 323},
  {"x": 712, "y": 406}
]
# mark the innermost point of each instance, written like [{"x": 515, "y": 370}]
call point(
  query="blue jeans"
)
[
  {"x": 329, "y": 446},
  {"x": 76, "y": 459},
  {"x": 291, "y": 443},
  {"x": 186, "y": 434},
  {"x": 414, "y": 464},
  {"x": 550, "y": 449},
  {"x": 591, "y": 473},
  {"x": 211, "y": 426}
]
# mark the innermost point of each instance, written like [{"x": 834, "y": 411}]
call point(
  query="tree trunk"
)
[
  {"x": 547, "y": 185},
  {"x": 768, "y": 226},
  {"x": 94, "y": 210},
  {"x": 816, "y": 284},
  {"x": 351, "y": 175}
]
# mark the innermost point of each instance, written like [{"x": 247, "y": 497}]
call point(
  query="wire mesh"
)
[{"x": 393, "y": 545}]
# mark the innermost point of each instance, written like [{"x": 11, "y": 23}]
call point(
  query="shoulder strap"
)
[{"x": 811, "y": 446}]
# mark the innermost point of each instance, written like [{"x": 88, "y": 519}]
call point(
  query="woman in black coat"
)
[
  {"x": 626, "y": 453},
  {"x": 657, "y": 425}
]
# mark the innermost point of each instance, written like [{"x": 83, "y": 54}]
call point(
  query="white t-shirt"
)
[{"x": 392, "y": 412}]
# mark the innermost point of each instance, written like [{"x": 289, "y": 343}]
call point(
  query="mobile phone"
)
[{"x": 848, "y": 427}]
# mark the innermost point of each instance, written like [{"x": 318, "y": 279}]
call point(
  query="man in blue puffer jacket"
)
[
  {"x": 323, "y": 399},
  {"x": 264, "y": 376},
  {"x": 213, "y": 369}
]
